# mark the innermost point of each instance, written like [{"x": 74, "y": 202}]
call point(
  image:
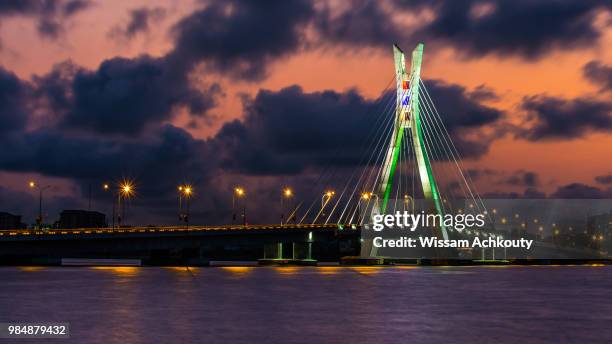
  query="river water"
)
[{"x": 314, "y": 304}]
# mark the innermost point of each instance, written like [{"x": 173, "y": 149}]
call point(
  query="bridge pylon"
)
[{"x": 408, "y": 122}]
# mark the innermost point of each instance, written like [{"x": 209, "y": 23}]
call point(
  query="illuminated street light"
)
[
  {"x": 126, "y": 190},
  {"x": 286, "y": 193},
  {"x": 240, "y": 193},
  {"x": 33, "y": 185},
  {"x": 106, "y": 188},
  {"x": 329, "y": 194},
  {"x": 184, "y": 191},
  {"x": 408, "y": 199}
]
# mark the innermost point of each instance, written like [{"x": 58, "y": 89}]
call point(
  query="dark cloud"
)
[
  {"x": 121, "y": 96},
  {"x": 522, "y": 178},
  {"x": 460, "y": 108},
  {"x": 364, "y": 23},
  {"x": 605, "y": 179},
  {"x": 599, "y": 74},
  {"x": 475, "y": 28},
  {"x": 140, "y": 22},
  {"x": 529, "y": 192},
  {"x": 290, "y": 130},
  {"x": 286, "y": 131},
  {"x": 533, "y": 193},
  {"x": 578, "y": 190},
  {"x": 13, "y": 102},
  {"x": 461, "y": 112},
  {"x": 157, "y": 163},
  {"x": 240, "y": 37},
  {"x": 53, "y": 91},
  {"x": 526, "y": 28},
  {"x": 557, "y": 118},
  {"x": 477, "y": 174},
  {"x": 166, "y": 155},
  {"x": 50, "y": 14}
]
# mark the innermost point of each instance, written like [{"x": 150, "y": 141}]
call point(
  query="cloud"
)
[
  {"x": 122, "y": 96},
  {"x": 290, "y": 130},
  {"x": 579, "y": 190},
  {"x": 140, "y": 22},
  {"x": 459, "y": 107},
  {"x": 240, "y": 37},
  {"x": 605, "y": 179},
  {"x": 164, "y": 156},
  {"x": 599, "y": 74},
  {"x": 476, "y": 174},
  {"x": 522, "y": 178},
  {"x": 524, "y": 28},
  {"x": 462, "y": 113},
  {"x": 529, "y": 192},
  {"x": 50, "y": 15},
  {"x": 557, "y": 118},
  {"x": 364, "y": 23},
  {"x": 13, "y": 102}
]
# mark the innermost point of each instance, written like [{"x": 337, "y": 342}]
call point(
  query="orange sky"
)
[{"x": 558, "y": 74}]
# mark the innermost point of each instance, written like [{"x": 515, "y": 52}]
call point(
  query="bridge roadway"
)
[
  {"x": 128, "y": 230},
  {"x": 165, "y": 245}
]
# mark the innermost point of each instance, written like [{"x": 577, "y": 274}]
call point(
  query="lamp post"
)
[
  {"x": 186, "y": 191},
  {"x": 33, "y": 185},
  {"x": 180, "y": 203},
  {"x": 408, "y": 200},
  {"x": 240, "y": 193},
  {"x": 126, "y": 189},
  {"x": 328, "y": 194},
  {"x": 366, "y": 196},
  {"x": 287, "y": 193},
  {"x": 106, "y": 188}
]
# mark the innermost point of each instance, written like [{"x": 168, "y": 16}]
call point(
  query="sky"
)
[{"x": 219, "y": 94}]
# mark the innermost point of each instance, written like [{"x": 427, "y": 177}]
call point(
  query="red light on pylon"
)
[{"x": 405, "y": 84}]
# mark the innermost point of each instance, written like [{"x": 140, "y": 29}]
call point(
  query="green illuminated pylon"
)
[{"x": 407, "y": 116}]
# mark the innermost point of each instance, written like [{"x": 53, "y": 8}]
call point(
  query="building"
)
[
  {"x": 81, "y": 219},
  {"x": 10, "y": 221}
]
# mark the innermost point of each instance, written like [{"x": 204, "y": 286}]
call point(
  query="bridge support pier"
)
[{"x": 301, "y": 253}]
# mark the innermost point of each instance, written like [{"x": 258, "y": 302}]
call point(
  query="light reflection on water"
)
[{"x": 244, "y": 304}]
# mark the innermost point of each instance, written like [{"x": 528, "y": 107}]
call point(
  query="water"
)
[{"x": 314, "y": 305}]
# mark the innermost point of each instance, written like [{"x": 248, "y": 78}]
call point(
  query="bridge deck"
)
[{"x": 120, "y": 231}]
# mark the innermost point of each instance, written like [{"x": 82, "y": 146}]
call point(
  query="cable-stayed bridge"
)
[{"x": 408, "y": 163}]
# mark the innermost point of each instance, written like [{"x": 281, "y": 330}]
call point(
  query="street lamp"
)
[
  {"x": 33, "y": 185},
  {"x": 287, "y": 193},
  {"x": 366, "y": 196},
  {"x": 408, "y": 199},
  {"x": 106, "y": 188},
  {"x": 126, "y": 190},
  {"x": 240, "y": 193},
  {"x": 329, "y": 194},
  {"x": 187, "y": 192}
]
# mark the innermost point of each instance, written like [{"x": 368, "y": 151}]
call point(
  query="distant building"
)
[
  {"x": 600, "y": 231},
  {"x": 600, "y": 224},
  {"x": 10, "y": 221},
  {"x": 81, "y": 219}
]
